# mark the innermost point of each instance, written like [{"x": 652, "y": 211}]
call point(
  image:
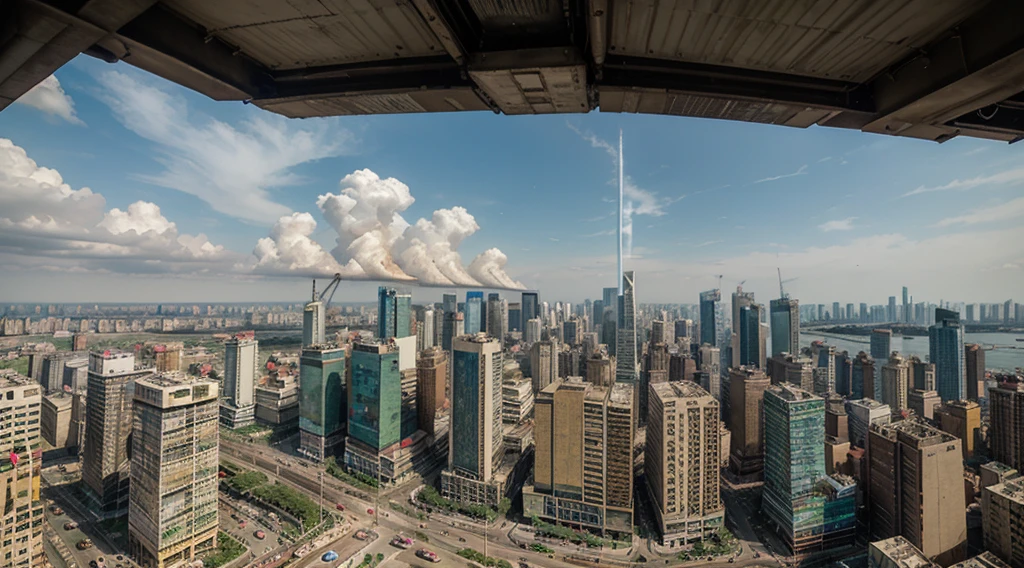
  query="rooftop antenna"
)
[
  {"x": 782, "y": 293},
  {"x": 719, "y": 276},
  {"x": 314, "y": 289},
  {"x": 619, "y": 276}
]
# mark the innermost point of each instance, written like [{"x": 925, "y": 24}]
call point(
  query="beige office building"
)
[
  {"x": 746, "y": 393},
  {"x": 961, "y": 418},
  {"x": 55, "y": 421},
  {"x": 912, "y": 468},
  {"x": 1002, "y": 514},
  {"x": 601, "y": 370},
  {"x": 583, "y": 470},
  {"x": 21, "y": 516},
  {"x": 172, "y": 510},
  {"x": 897, "y": 552},
  {"x": 681, "y": 462},
  {"x": 431, "y": 381},
  {"x": 895, "y": 382}
]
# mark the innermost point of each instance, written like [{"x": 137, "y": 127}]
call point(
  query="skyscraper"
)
[
  {"x": 448, "y": 331},
  {"x": 961, "y": 418},
  {"x": 911, "y": 468},
  {"x": 112, "y": 376},
  {"x": 474, "y": 319},
  {"x": 946, "y": 351},
  {"x": 241, "y": 360},
  {"x": 475, "y": 443},
  {"x": 740, "y": 299},
  {"x": 543, "y": 364},
  {"x": 428, "y": 328},
  {"x": 314, "y": 321},
  {"x": 890, "y": 312},
  {"x": 710, "y": 359},
  {"x": 746, "y": 395},
  {"x": 881, "y": 348},
  {"x": 375, "y": 396},
  {"x": 906, "y": 306},
  {"x": 627, "y": 368},
  {"x": 394, "y": 310},
  {"x": 1002, "y": 513},
  {"x": 515, "y": 316},
  {"x": 431, "y": 379},
  {"x": 21, "y": 517},
  {"x": 709, "y": 312},
  {"x": 682, "y": 435},
  {"x": 974, "y": 363},
  {"x": 861, "y": 415},
  {"x": 1006, "y": 416},
  {"x": 583, "y": 473},
  {"x": 794, "y": 463},
  {"x": 895, "y": 382},
  {"x": 481, "y": 323},
  {"x": 172, "y": 512},
  {"x": 497, "y": 317},
  {"x": 785, "y": 321},
  {"x": 862, "y": 378},
  {"x": 533, "y": 331},
  {"x": 322, "y": 400},
  {"x": 750, "y": 345},
  {"x": 530, "y": 306}
]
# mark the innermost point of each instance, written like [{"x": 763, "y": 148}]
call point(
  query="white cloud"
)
[
  {"x": 1011, "y": 210},
  {"x": 838, "y": 225},
  {"x": 49, "y": 97},
  {"x": 801, "y": 171},
  {"x": 290, "y": 250},
  {"x": 231, "y": 169},
  {"x": 706, "y": 244},
  {"x": 1010, "y": 177}
]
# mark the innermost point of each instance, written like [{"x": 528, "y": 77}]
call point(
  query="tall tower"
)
[
  {"x": 740, "y": 299},
  {"x": 1006, "y": 412},
  {"x": 431, "y": 379},
  {"x": 21, "y": 517},
  {"x": 172, "y": 513},
  {"x": 112, "y": 375},
  {"x": 710, "y": 323},
  {"x": 241, "y": 360},
  {"x": 749, "y": 346},
  {"x": 895, "y": 382},
  {"x": 475, "y": 444},
  {"x": 746, "y": 395},
  {"x": 627, "y": 364},
  {"x": 785, "y": 320},
  {"x": 323, "y": 402},
  {"x": 394, "y": 309},
  {"x": 683, "y": 436},
  {"x": 314, "y": 321},
  {"x": 881, "y": 348},
  {"x": 946, "y": 350},
  {"x": 448, "y": 331}
]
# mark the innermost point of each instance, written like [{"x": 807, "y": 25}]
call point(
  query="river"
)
[{"x": 1008, "y": 355}]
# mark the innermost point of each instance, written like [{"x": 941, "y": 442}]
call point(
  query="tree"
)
[
  {"x": 380, "y": 557},
  {"x": 504, "y": 505},
  {"x": 367, "y": 558}
]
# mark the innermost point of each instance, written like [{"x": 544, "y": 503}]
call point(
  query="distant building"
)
[
  {"x": 912, "y": 467},
  {"x": 172, "y": 515},
  {"x": 961, "y": 418},
  {"x": 584, "y": 459},
  {"x": 473, "y": 314},
  {"x": 785, "y": 326},
  {"x": 55, "y": 420},
  {"x": 792, "y": 369},
  {"x": 683, "y": 436},
  {"x": 517, "y": 400},
  {"x": 710, "y": 364},
  {"x": 709, "y": 317},
  {"x": 277, "y": 401},
  {"x": 881, "y": 348},
  {"x": 923, "y": 402},
  {"x": 241, "y": 361},
  {"x": 861, "y": 415},
  {"x": 167, "y": 358},
  {"x": 974, "y": 362},
  {"x": 747, "y": 388},
  {"x": 314, "y": 322},
  {"x": 895, "y": 382},
  {"x": 543, "y": 363},
  {"x": 627, "y": 368},
  {"x": 1006, "y": 407},
  {"x": 1002, "y": 510},
  {"x": 946, "y": 350},
  {"x": 601, "y": 370},
  {"x": 21, "y": 517},
  {"x": 105, "y": 465},
  {"x": 323, "y": 400},
  {"x": 394, "y": 313},
  {"x": 862, "y": 379}
]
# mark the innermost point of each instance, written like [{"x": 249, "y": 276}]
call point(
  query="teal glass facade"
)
[
  {"x": 322, "y": 400},
  {"x": 375, "y": 397},
  {"x": 466, "y": 412},
  {"x": 393, "y": 312},
  {"x": 946, "y": 351}
]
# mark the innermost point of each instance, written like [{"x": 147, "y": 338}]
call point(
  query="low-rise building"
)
[
  {"x": 277, "y": 400},
  {"x": 897, "y": 552},
  {"x": 55, "y": 425}
]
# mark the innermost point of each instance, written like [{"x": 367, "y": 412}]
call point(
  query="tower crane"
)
[
  {"x": 330, "y": 288},
  {"x": 719, "y": 276},
  {"x": 782, "y": 293}
]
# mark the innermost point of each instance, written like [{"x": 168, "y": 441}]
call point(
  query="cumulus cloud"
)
[
  {"x": 489, "y": 269},
  {"x": 49, "y": 97},
  {"x": 428, "y": 249},
  {"x": 231, "y": 169},
  {"x": 838, "y": 225},
  {"x": 290, "y": 249}
]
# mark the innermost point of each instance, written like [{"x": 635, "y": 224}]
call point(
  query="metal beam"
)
[
  {"x": 392, "y": 76},
  {"x": 445, "y": 31},
  {"x": 980, "y": 63},
  {"x": 712, "y": 80}
]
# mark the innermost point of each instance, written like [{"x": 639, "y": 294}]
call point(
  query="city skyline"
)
[{"x": 845, "y": 213}]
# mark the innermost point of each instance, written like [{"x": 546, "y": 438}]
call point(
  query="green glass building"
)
[
  {"x": 322, "y": 400},
  {"x": 375, "y": 396}
]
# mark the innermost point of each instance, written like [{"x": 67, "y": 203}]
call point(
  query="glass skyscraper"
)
[
  {"x": 709, "y": 314},
  {"x": 475, "y": 442},
  {"x": 750, "y": 335},
  {"x": 608, "y": 318},
  {"x": 322, "y": 400},
  {"x": 785, "y": 322},
  {"x": 473, "y": 310},
  {"x": 393, "y": 312},
  {"x": 449, "y": 307},
  {"x": 627, "y": 364},
  {"x": 946, "y": 351},
  {"x": 375, "y": 396},
  {"x": 881, "y": 347}
]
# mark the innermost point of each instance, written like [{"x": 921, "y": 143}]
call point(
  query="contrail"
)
[{"x": 619, "y": 275}]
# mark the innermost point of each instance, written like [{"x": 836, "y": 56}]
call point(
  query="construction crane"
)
[
  {"x": 782, "y": 293},
  {"x": 719, "y": 276},
  {"x": 331, "y": 288},
  {"x": 739, "y": 287}
]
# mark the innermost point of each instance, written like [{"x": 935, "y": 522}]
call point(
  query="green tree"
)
[{"x": 504, "y": 505}]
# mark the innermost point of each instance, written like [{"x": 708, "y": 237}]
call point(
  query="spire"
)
[
  {"x": 314, "y": 289},
  {"x": 619, "y": 275}
]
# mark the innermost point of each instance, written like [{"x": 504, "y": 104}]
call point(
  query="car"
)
[
  {"x": 462, "y": 539},
  {"x": 70, "y": 526},
  {"x": 361, "y": 535},
  {"x": 369, "y": 511},
  {"x": 222, "y": 474},
  {"x": 260, "y": 535},
  {"x": 329, "y": 556},
  {"x": 242, "y": 523},
  {"x": 524, "y": 565},
  {"x": 84, "y": 544},
  {"x": 340, "y": 507},
  {"x": 56, "y": 510},
  {"x": 428, "y": 555}
]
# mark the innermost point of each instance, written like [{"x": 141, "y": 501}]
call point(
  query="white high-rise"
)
[
  {"x": 314, "y": 324},
  {"x": 241, "y": 359}
]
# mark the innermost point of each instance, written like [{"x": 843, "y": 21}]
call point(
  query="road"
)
[{"x": 73, "y": 511}]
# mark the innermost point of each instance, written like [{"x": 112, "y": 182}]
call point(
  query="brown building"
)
[
  {"x": 974, "y": 359},
  {"x": 895, "y": 382},
  {"x": 994, "y": 473},
  {"x": 681, "y": 367},
  {"x": 746, "y": 394},
  {"x": 862, "y": 382},
  {"x": 836, "y": 421},
  {"x": 923, "y": 402},
  {"x": 583, "y": 470},
  {"x": 78, "y": 342},
  {"x": 601, "y": 370},
  {"x": 682, "y": 462},
  {"x": 792, "y": 369},
  {"x": 55, "y": 419},
  {"x": 912, "y": 472},
  {"x": 1002, "y": 514},
  {"x": 1006, "y": 421},
  {"x": 167, "y": 358},
  {"x": 836, "y": 451},
  {"x": 656, "y": 370},
  {"x": 961, "y": 418},
  {"x": 431, "y": 375},
  {"x": 922, "y": 375}
]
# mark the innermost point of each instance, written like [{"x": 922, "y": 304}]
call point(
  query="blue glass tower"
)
[
  {"x": 709, "y": 317},
  {"x": 393, "y": 312},
  {"x": 474, "y": 307},
  {"x": 481, "y": 323},
  {"x": 946, "y": 351}
]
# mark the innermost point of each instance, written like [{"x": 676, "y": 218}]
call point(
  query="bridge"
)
[{"x": 922, "y": 69}]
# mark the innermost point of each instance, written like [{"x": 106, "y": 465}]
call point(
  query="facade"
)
[
  {"x": 517, "y": 400},
  {"x": 601, "y": 370},
  {"x": 746, "y": 395},
  {"x": 323, "y": 403},
  {"x": 785, "y": 326},
  {"x": 21, "y": 517},
  {"x": 241, "y": 361},
  {"x": 794, "y": 464},
  {"x": 923, "y": 403},
  {"x": 431, "y": 380},
  {"x": 797, "y": 371},
  {"x": 751, "y": 337},
  {"x": 911, "y": 468},
  {"x": 961, "y": 418},
  {"x": 475, "y": 443},
  {"x": 974, "y": 363},
  {"x": 314, "y": 322},
  {"x": 172, "y": 513},
  {"x": 449, "y": 308},
  {"x": 895, "y": 382},
  {"x": 861, "y": 415},
  {"x": 532, "y": 333},
  {"x": 105, "y": 464},
  {"x": 682, "y": 462},
  {"x": 497, "y": 317},
  {"x": 277, "y": 401},
  {"x": 543, "y": 363},
  {"x": 55, "y": 419},
  {"x": 897, "y": 552},
  {"x": 1006, "y": 419},
  {"x": 627, "y": 364},
  {"x": 946, "y": 351},
  {"x": 394, "y": 313},
  {"x": 740, "y": 299},
  {"x": 881, "y": 347},
  {"x": 530, "y": 306},
  {"x": 1002, "y": 514},
  {"x": 583, "y": 473},
  {"x": 709, "y": 317},
  {"x": 473, "y": 314},
  {"x": 167, "y": 358},
  {"x": 711, "y": 368},
  {"x": 862, "y": 379}
]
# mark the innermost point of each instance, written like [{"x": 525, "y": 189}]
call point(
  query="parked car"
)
[
  {"x": 56, "y": 510},
  {"x": 242, "y": 523},
  {"x": 340, "y": 507},
  {"x": 70, "y": 526},
  {"x": 260, "y": 535},
  {"x": 84, "y": 544}
]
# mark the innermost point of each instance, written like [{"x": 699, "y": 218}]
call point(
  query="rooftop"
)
[
  {"x": 173, "y": 379},
  {"x": 869, "y": 403},
  {"x": 903, "y": 553},
  {"x": 15, "y": 380},
  {"x": 679, "y": 389},
  {"x": 622, "y": 393},
  {"x": 792, "y": 393},
  {"x": 997, "y": 467},
  {"x": 1012, "y": 490},
  {"x": 984, "y": 560}
]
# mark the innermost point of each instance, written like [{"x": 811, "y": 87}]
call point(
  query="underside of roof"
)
[{"x": 917, "y": 68}]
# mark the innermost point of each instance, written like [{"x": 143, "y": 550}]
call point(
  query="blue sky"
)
[{"x": 830, "y": 207}]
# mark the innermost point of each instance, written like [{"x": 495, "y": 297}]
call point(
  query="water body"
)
[{"x": 1008, "y": 355}]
